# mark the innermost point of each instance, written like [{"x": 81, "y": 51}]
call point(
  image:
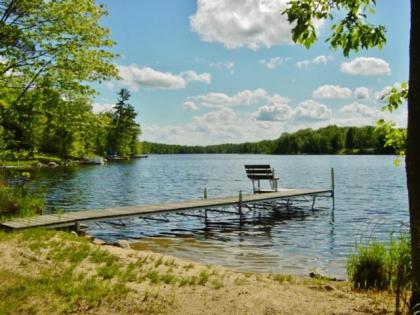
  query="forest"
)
[{"x": 327, "y": 140}]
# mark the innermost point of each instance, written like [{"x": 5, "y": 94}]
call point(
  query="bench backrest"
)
[{"x": 259, "y": 171}]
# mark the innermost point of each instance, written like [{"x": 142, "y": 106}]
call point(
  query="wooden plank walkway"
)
[{"x": 76, "y": 217}]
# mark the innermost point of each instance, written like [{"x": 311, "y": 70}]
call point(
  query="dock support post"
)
[
  {"x": 313, "y": 202},
  {"x": 240, "y": 202},
  {"x": 333, "y": 187},
  {"x": 77, "y": 227},
  {"x": 205, "y": 193}
]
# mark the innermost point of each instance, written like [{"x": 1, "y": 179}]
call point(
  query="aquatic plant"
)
[{"x": 19, "y": 201}]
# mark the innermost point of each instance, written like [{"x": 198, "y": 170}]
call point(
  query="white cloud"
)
[
  {"x": 245, "y": 97},
  {"x": 274, "y": 112},
  {"x": 367, "y": 66},
  {"x": 191, "y": 76},
  {"x": 229, "y": 65},
  {"x": 361, "y": 93},
  {"x": 322, "y": 59},
  {"x": 243, "y": 23},
  {"x": 332, "y": 91},
  {"x": 274, "y": 62},
  {"x": 312, "y": 110},
  {"x": 189, "y": 105},
  {"x": 308, "y": 110},
  {"x": 360, "y": 109},
  {"x": 135, "y": 77},
  {"x": 220, "y": 126},
  {"x": 99, "y": 108}
]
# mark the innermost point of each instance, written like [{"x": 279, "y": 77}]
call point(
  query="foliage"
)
[
  {"x": 395, "y": 138},
  {"x": 383, "y": 266},
  {"x": 352, "y": 33},
  {"x": 328, "y": 140},
  {"x": 61, "y": 41}
]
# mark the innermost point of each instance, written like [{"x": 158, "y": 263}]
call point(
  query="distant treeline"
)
[{"x": 328, "y": 140}]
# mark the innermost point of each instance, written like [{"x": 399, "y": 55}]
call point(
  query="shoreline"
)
[{"x": 132, "y": 281}]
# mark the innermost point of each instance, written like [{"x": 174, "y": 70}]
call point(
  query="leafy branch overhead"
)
[
  {"x": 352, "y": 33},
  {"x": 62, "y": 40}
]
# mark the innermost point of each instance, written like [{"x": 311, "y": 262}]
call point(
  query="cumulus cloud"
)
[
  {"x": 367, "y": 66},
  {"x": 243, "y": 23},
  {"x": 99, "y": 108},
  {"x": 229, "y": 65},
  {"x": 332, "y": 91},
  {"x": 245, "y": 97},
  {"x": 312, "y": 110},
  {"x": 189, "y": 105},
  {"x": 273, "y": 63},
  {"x": 135, "y": 77},
  {"x": 219, "y": 126},
  {"x": 361, "y": 92},
  {"x": 274, "y": 112},
  {"x": 361, "y": 110},
  {"x": 191, "y": 76},
  {"x": 322, "y": 59},
  {"x": 308, "y": 110}
]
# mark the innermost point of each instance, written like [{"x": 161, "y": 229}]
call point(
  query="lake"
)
[{"x": 371, "y": 202}]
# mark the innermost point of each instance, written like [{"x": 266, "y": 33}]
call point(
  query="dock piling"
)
[
  {"x": 240, "y": 202},
  {"x": 333, "y": 187},
  {"x": 205, "y": 193}
]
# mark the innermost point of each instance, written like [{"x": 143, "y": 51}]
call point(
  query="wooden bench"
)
[{"x": 259, "y": 172}]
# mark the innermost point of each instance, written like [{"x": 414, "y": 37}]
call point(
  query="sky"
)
[{"x": 226, "y": 71}]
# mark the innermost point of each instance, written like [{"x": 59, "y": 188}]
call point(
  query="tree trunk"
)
[{"x": 413, "y": 150}]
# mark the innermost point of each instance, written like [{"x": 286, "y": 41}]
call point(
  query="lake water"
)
[{"x": 371, "y": 202}]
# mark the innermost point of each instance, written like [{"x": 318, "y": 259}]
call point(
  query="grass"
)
[
  {"x": 64, "y": 290},
  {"x": 282, "y": 278}
]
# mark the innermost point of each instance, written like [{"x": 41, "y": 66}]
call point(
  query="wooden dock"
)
[{"x": 74, "y": 218}]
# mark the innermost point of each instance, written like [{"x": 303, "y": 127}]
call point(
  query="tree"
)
[
  {"x": 352, "y": 33},
  {"x": 61, "y": 40},
  {"x": 125, "y": 131}
]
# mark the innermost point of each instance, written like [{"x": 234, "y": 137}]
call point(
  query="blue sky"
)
[{"x": 217, "y": 71}]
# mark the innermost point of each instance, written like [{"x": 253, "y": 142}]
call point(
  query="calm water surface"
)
[{"x": 371, "y": 201}]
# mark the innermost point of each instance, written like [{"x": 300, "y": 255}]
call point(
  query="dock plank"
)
[{"x": 70, "y": 218}]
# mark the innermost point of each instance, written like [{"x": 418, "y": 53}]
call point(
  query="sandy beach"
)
[{"x": 130, "y": 281}]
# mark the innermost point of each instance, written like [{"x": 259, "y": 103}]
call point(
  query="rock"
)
[
  {"x": 98, "y": 241},
  {"x": 52, "y": 164},
  {"x": 122, "y": 244}
]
